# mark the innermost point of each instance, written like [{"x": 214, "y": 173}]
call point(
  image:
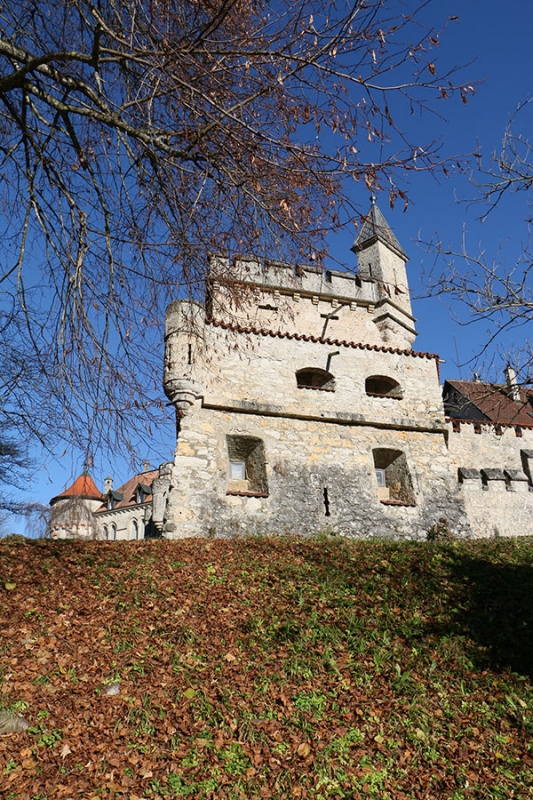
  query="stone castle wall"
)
[
  {"x": 493, "y": 467},
  {"x": 233, "y": 379}
]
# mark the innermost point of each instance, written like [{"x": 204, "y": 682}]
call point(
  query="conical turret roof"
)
[
  {"x": 83, "y": 487},
  {"x": 375, "y": 227}
]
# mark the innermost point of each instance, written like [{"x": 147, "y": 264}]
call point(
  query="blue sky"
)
[{"x": 493, "y": 41}]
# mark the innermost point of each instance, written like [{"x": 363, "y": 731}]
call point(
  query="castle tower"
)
[
  {"x": 381, "y": 259},
  {"x": 73, "y": 509}
]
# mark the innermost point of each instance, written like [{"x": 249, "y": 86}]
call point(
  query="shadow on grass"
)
[
  {"x": 495, "y": 611},
  {"x": 478, "y": 592}
]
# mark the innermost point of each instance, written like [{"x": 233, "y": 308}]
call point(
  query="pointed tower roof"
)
[
  {"x": 83, "y": 487},
  {"x": 376, "y": 228}
]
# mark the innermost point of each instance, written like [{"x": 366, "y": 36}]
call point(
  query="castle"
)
[{"x": 302, "y": 408}]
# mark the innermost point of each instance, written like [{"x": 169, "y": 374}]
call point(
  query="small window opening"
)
[
  {"x": 392, "y": 477},
  {"x": 106, "y": 532},
  {"x": 315, "y": 378},
  {"x": 189, "y": 354},
  {"x": 237, "y": 470},
  {"x": 135, "y": 529},
  {"x": 246, "y": 465},
  {"x": 328, "y": 276},
  {"x": 326, "y": 503},
  {"x": 114, "y": 532},
  {"x": 383, "y": 386}
]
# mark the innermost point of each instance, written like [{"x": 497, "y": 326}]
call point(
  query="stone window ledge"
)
[
  {"x": 316, "y": 388},
  {"x": 247, "y": 494},
  {"x": 397, "y": 503},
  {"x": 385, "y": 396}
]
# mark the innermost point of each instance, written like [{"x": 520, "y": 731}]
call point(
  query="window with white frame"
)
[{"x": 246, "y": 465}]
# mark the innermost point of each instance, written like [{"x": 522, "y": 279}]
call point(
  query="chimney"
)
[
  {"x": 146, "y": 466},
  {"x": 513, "y": 390},
  {"x": 108, "y": 484}
]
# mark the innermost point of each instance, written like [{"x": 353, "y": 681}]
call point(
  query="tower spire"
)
[{"x": 376, "y": 228}]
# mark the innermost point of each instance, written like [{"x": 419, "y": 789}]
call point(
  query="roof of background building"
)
[
  {"x": 83, "y": 487},
  {"x": 127, "y": 490},
  {"x": 495, "y": 402}
]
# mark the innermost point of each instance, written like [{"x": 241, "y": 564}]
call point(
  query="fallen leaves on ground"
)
[{"x": 267, "y": 668}]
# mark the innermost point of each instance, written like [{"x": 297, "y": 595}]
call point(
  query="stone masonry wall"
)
[
  {"x": 496, "y": 485},
  {"x": 324, "y": 447},
  {"x": 303, "y": 459},
  {"x": 336, "y": 304}
]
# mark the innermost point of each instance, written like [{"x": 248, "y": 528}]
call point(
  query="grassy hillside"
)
[{"x": 267, "y": 668}]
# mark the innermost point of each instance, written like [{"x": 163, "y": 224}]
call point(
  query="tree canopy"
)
[{"x": 139, "y": 136}]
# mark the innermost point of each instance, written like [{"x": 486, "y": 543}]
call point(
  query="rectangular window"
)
[
  {"x": 390, "y": 467},
  {"x": 246, "y": 465},
  {"x": 380, "y": 477},
  {"x": 237, "y": 470}
]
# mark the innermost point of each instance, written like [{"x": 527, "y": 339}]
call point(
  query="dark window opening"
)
[
  {"x": 246, "y": 465},
  {"x": 392, "y": 477},
  {"x": 382, "y": 386},
  {"x": 189, "y": 354},
  {"x": 315, "y": 378},
  {"x": 326, "y": 503}
]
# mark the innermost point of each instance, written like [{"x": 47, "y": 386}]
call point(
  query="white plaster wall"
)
[{"x": 123, "y": 519}]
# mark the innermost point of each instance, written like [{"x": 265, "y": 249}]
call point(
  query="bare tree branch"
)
[{"x": 137, "y": 138}]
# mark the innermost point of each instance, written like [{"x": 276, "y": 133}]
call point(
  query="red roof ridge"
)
[{"x": 318, "y": 339}]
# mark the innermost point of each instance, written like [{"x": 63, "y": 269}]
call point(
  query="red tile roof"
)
[
  {"x": 495, "y": 402},
  {"x": 84, "y": 487},
  {"x": 127, "y": 490},
  {"x": 303, "y": 337}
]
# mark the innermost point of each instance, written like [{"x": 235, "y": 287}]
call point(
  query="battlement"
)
[
  {"x": 307, "y": 281},
  {"x": 309, "y": 300}
]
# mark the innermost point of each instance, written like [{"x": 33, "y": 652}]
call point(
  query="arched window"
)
[
  {"x": 106, "y": 532},
  {"x": 315, "y": 378},
  {"x": 135, "y": 529},
  {"x": 392, "y": 477},
  {"x": 383, "y": 386},
  {"x": 113, "y": 532}
]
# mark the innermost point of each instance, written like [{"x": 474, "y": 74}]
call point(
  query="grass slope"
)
[{"x": 267, "y": 668}]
